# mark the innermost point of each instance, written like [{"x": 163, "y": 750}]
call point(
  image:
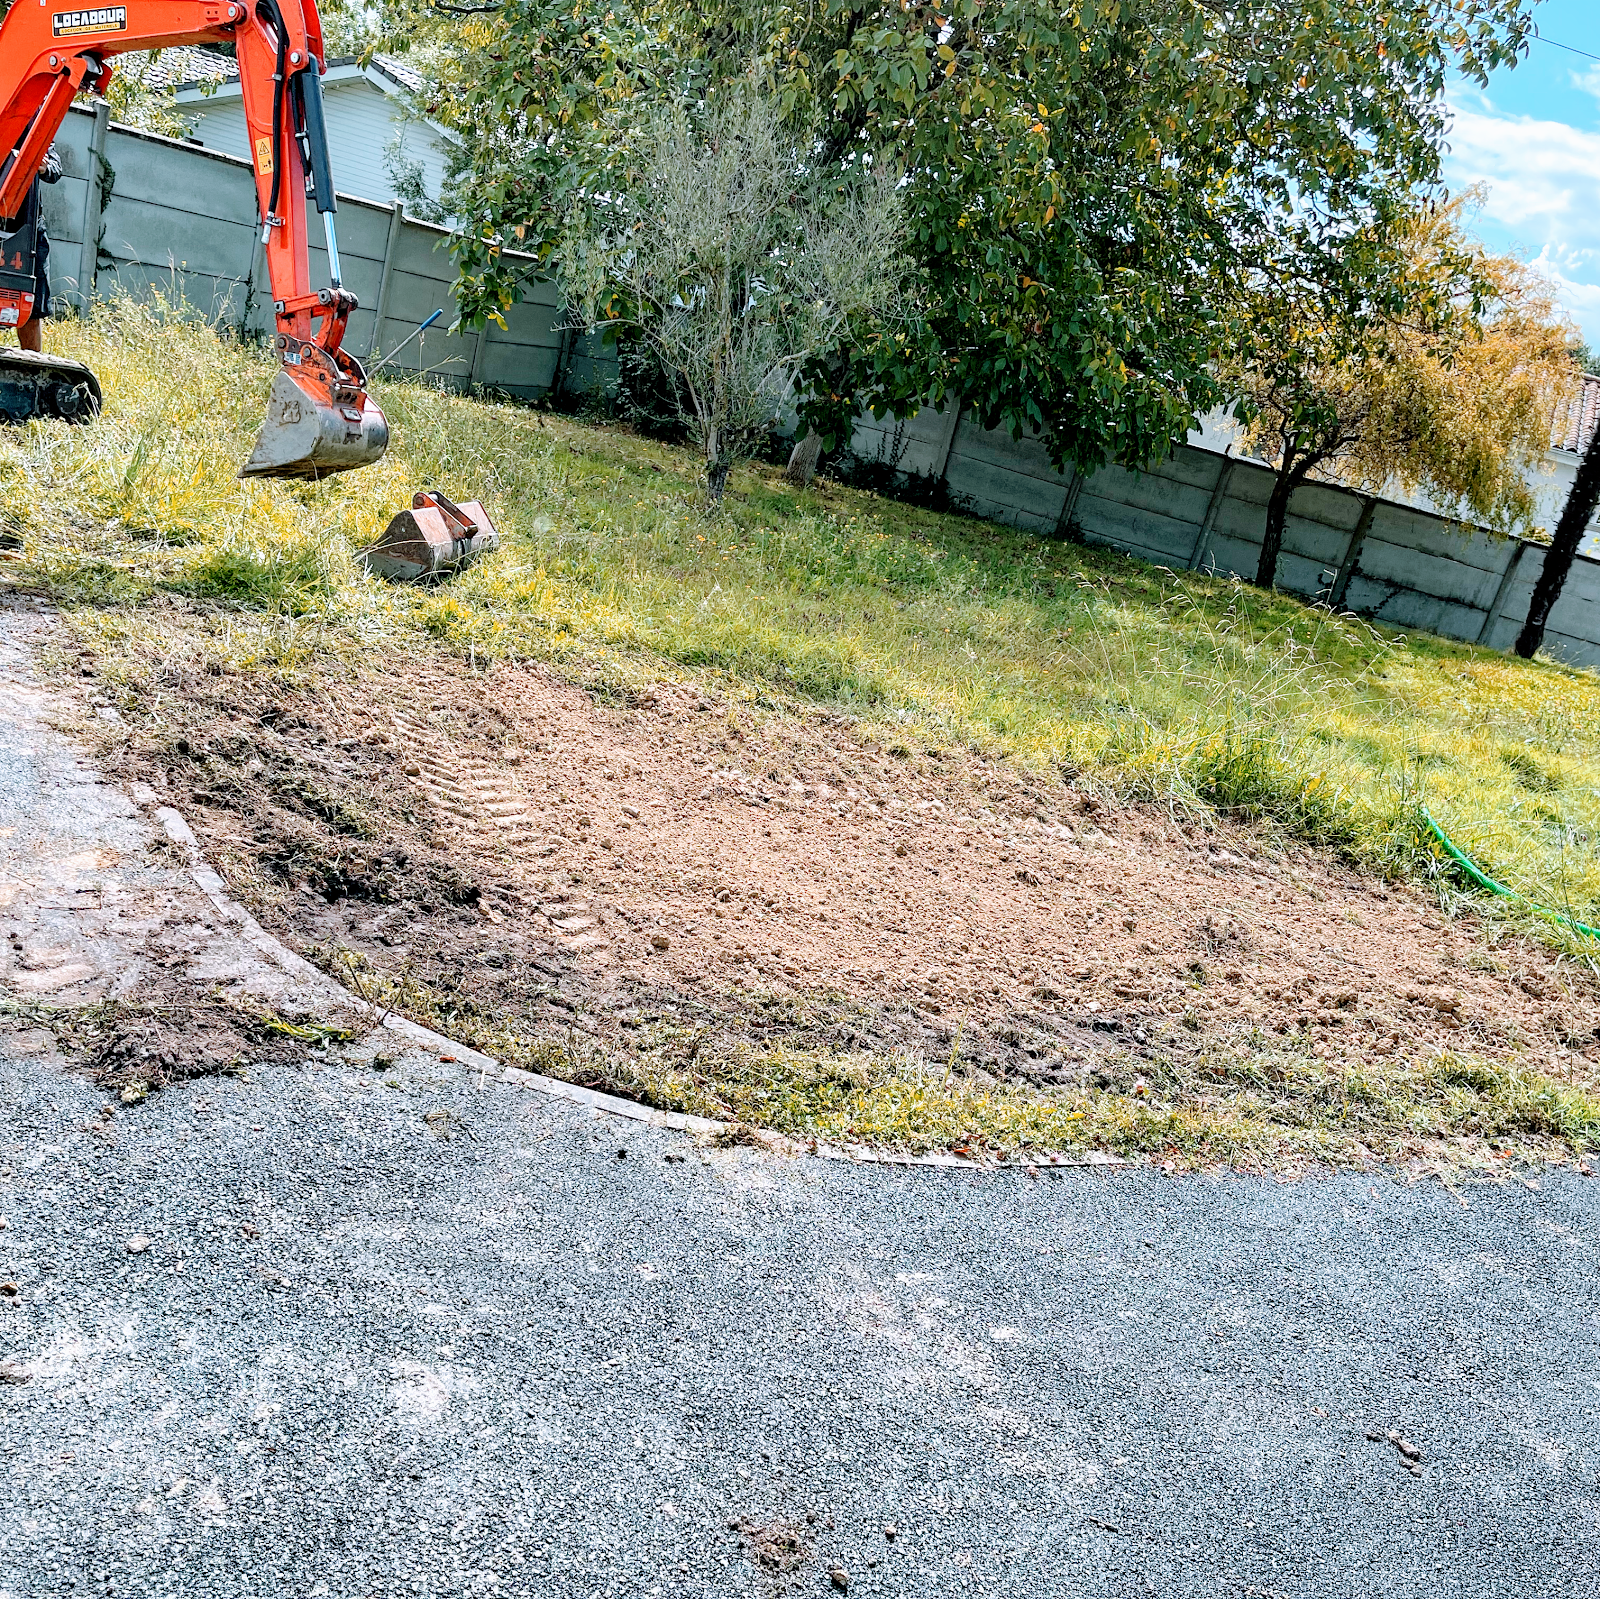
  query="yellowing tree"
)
[{"x": 1403, "y": 356}]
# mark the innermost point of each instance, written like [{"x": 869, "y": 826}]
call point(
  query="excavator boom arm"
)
[{"x": 320, "y": 419}]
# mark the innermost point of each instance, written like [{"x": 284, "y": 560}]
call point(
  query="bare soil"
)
[
  {"x": 170, "y": 1030},
  {"x": 521, "y": 850}
]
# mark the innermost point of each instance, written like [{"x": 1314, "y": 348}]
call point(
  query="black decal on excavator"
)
[{"x": 102, "y": 19}]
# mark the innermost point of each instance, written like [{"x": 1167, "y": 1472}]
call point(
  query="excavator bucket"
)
[
  {"x": 317, "y": 423},
  {"x": 435, "y": 538}
]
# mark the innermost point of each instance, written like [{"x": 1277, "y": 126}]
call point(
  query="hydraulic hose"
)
[
  {"x": 1476, "y": 873},
  {"x": 269, "y": 9}
]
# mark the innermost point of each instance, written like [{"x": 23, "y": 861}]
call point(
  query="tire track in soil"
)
[{"x": 486, "y": 799}]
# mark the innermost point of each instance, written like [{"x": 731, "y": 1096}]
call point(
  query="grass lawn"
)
[{"x": 1201, "y": 694}]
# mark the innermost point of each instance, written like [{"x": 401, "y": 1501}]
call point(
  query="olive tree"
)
[{"x": 715, "y": 244}]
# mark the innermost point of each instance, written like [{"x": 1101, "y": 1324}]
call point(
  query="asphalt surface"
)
[{"x": 390, "y": 1328}]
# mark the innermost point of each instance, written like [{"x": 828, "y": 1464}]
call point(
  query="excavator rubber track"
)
[{"x": 46, "y": 386}]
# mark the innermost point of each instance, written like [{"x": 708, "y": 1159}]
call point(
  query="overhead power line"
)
[{"x": 1571, "y": 49}]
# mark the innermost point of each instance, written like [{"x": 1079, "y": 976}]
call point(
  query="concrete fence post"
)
[
  {"x": 947, "y": 440},
  {"x": 380, "y": 312},
  {"x": 477, "y": 357},
  {"x": 1497, "y": 604},
  {"x": 1213, "y": 507},
  {"x": 1352, "y": 552},
  {"x": 93, "y": 204}
]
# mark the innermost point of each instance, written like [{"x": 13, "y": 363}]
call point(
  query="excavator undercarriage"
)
[
  {"x": 46, "y": 385},
  {"x": 32, "y": 384}
]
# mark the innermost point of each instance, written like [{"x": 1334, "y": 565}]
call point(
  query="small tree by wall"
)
[
  {"x": 738, "y": 271},
  {"x": 1576, "y": 514},
  {"x": 1403, "y": 355}
]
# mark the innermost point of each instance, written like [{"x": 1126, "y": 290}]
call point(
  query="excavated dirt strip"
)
[{"x": 509, "y": 838}]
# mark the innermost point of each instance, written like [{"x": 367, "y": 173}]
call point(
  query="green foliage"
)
[
  {"x": 139, "y": 98},
  {"x": 1083, "y": 181},
  {"x": 649, "y": 399}
]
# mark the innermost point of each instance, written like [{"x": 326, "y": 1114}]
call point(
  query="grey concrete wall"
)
[
  {"x": 180, "y": 221},
  {"x": 1203, "y": 510}
]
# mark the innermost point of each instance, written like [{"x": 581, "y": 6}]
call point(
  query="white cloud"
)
[
  {"x": 1582, "y": 300},
  {"x": 1543, "y": 189}
]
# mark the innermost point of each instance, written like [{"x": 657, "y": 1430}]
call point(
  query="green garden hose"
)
[{"x": 1484, "y": 880}]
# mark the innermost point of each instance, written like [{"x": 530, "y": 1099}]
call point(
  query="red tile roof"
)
[{"x": 1575, "y": 427}]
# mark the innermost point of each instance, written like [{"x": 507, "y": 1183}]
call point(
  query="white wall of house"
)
[
  {"x": 1218, "y": 431},
  {"x": 365, "y": 128}
]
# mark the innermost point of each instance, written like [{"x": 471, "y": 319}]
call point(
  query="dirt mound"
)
[
  {"x": 169, "y": 1030},
  {"x": 518, "y": 849}
]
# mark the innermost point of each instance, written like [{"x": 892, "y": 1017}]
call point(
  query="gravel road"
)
[{"x": 377, "y": 1326}]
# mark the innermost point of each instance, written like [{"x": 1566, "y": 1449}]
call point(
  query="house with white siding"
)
[{"x": 374, "y": 130}]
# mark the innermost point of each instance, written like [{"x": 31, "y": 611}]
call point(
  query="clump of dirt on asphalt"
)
[
  {"x": 599, "y": 871},
  {"x": 778, "y": 1549},
  {"x": 168, "y": 1031}
]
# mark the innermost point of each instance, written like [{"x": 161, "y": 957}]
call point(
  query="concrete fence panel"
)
[
  {"x": 1395, "y": 564},
  {"x": 180, "y": 222}
]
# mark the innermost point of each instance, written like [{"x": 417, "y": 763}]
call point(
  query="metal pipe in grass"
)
[{"x": 415, "y": 333}]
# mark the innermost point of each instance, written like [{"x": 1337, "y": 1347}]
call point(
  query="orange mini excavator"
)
[{"x": 320, "y": 418}]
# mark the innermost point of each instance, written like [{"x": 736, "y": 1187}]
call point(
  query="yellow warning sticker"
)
[{"x": 264, "y": 156}]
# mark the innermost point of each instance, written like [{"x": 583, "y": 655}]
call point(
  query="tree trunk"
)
[
  {"x": 1576, "y": 515},
  {"x": 803, "y": 459},
  {"x": 718, "y": 466},
  {"x": 1277, "y": 514}
]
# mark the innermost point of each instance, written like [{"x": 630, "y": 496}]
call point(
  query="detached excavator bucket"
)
[
  {"x": 315, "y": 428},
  {"x": 433, "y": 539}
]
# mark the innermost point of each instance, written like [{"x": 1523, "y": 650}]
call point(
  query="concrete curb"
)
[{"x": 210, "y": 883}]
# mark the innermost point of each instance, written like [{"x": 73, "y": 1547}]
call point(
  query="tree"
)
[
  {"x": 710, "y": 243},
  {"x": 1576, "y": 515},
  {"x": 1082, "y": 181},
  {"x": 1418, "y": 361},
  {"x": 141, "y": 95}
]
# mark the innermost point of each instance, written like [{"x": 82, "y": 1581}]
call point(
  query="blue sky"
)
[{"x": 1533, "y": 139}]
